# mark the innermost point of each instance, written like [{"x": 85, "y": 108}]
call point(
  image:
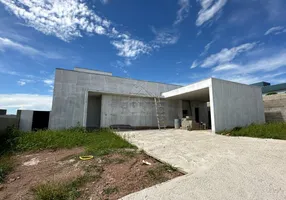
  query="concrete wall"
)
[
  {"x": 93, "y": 112},
  {"x": 7, "y": 121},
  {"x": 275, "y": 108},
  {"x": 234, "y": 104},
  {"x": 26, "y": 120},
  {"x": 135, "y": 111},
  {"x": 203, "y": 110},
  {"x": 71, "y": 94}
]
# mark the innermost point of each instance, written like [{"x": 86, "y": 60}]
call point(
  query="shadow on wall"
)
[{"x": 274, "y": 116}]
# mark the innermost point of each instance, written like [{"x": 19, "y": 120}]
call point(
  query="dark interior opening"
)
[
  {"x": 197, "y": 116},
  {"x": 40, "y": 120},
  {"x": 185, "y": 113},
  {"x": 209, "y": 119}
]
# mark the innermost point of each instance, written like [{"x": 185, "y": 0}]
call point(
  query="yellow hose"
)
[{"x": 86, "y": 157}]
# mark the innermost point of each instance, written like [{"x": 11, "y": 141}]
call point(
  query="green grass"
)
[
  {"x": 269, "y": 130},
  {"x": 54, "y": 191},
  {"x": 98, "y": 143}
]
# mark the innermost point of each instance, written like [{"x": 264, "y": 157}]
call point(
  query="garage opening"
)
[{"x": 93, "y": 111}]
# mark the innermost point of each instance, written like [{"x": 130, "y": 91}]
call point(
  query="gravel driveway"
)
[{"x": 217, "y": 167}]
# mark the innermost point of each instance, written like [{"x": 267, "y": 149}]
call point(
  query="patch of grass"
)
[
  {"x": 269, "y": 130},
  {"x": 6, "y": 166},
  {"x": 57, "y": 191},
  {"x": 110, "y": 190},
  {"x": 97, "y": 142},
  {"x": 62, "y": 191},
  {"x": 158, "y": 173}
]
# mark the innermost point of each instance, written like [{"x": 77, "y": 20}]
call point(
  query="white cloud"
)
[
  {"x": 262, "y": 69},
  {"x": 275, "y": 30},
  {"x": 194, "y": 64},
  {"x": 225, "y": 67},
  {"x": 49, "y": 83},
  {"x": 26, "y": 101},
  {"x": 226, "y": 55},
  {"x": 207, "y": 47},
  {"x": 104, "y": 1},
  {"x": 65, "y": 19},
  {"x": 131, "y": 48},
  {"x": 70, "y": 19},
  {"x": 6, "y": 43},
  {"x": 21, "y": 83},
  {"x": 183, "y": 12},
  {"x": 165, "y": 36},
  {"x": 209, "y": 9}
]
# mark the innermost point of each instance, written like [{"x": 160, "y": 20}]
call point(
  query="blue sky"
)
[{"x": 170, "y": 41}]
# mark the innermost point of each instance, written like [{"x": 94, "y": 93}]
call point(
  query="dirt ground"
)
[{"x": 115, "y": 175}]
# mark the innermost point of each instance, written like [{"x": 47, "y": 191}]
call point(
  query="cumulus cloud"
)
[
  {"x": 6, "y": 43},
  {"x": 275, "y": 30},
  {"x": 210, "y": 9},
  {"x": 183, "y": 12},
  {"x": 26, "y": 101},
  {"x": 227, "y": 55}
]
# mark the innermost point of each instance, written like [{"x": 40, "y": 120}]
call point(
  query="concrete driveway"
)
[{"x": 217, "y": 167}]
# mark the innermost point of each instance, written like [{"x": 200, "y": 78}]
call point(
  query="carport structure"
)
[{"x": 230, "y": 104}]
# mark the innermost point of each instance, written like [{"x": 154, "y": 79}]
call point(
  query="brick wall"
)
[{"x": 275, "y": 108}]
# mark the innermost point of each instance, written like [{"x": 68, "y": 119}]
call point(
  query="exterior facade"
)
[{"x": 97, "y": 99}]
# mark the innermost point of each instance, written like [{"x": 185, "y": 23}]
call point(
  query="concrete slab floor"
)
[{"x": 217, "y": 167}]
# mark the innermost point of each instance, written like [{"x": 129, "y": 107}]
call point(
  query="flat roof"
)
[
  {"x": 197, "y": 91},
  {"x": 117, "y": 77}
]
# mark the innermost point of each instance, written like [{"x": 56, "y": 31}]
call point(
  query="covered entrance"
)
[{"x": 195, "y": 107}]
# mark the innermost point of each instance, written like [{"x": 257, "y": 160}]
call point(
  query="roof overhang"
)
[{"x": 198, "y": 91}]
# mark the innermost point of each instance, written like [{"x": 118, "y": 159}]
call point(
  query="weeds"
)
[
  {"x": 57, "y": 191},
  {"x": 158, "y": 173},
  {"x": 6, "y": 166},
  {"x": 62, "y": 191},
  {"x": 110, "y": 190},
  {"x": 269, "y": 130}
]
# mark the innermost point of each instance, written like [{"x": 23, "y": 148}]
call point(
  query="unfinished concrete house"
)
[{"x": 96, "y": 99}]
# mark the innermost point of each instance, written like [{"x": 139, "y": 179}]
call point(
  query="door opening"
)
[
  {"x": 197, "y": 115},
  {"x": 93, "y": 112}
]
